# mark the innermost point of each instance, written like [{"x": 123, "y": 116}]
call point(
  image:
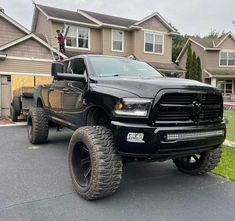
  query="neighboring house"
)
[
  {"x": 25, "y": 59},
  {"x": 149, "y": 39},
  {"x": 217, "y": 60}
]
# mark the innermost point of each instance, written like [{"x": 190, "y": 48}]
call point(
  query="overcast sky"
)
[{"x": 188, "y": 16}]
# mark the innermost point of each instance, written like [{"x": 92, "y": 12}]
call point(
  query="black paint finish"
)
[{"x": 69, "y": 101}]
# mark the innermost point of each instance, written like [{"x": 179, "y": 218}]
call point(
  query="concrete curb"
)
[
  {"x": 14, "y": 125},
  {"x": 229, "y": 143}
]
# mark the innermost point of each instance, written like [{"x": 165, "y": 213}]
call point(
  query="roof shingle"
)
[
  {"x": 94, "y": 18},
  {"x": 218, "y": 40},
  {"x": 109, "y": 19},
  {"x": 166, "y": 66},
  {"x": 208, "y": 42},
  {"x": 205, "y": 42},
  {"x": 222, "y": 71},
  {"x": 65, "y": 14},
  {"x": 75, "y": 16}
]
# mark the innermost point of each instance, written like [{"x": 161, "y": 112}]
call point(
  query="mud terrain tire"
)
[
  {"x": 38, "y": 128},
  {"x": 94, "y": 163},
  {"x": 203, "y": 163}
]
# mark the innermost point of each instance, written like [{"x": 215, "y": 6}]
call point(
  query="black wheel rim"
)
[
  {"x": 29, "y": 126},
  {"x": 81, "y": 164}
]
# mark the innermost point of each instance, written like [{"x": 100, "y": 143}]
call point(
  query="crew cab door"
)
[{"x": 72, "y": 95}]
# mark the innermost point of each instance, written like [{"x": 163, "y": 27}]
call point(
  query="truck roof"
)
[{"x": 97, "y": 55}]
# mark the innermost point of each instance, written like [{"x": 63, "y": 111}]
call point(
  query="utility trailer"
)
[{"x": 21, "y": 103}]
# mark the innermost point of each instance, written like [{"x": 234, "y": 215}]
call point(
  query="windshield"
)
[{"x": 116, "y": 66}]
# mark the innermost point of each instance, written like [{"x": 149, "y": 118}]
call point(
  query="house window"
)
[
  {"x": 153, "y": 43},
  {"x": 117, "y": 40},
  {"x": 83, "y": 37},
  {"x": 225, "y": 86},
  {"x": 227, "y": 58},
  {"x": 71, "y": 38},
  {"x": 78, "y": 37}
]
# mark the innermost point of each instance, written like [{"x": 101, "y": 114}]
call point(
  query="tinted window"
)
[
  {"x": 110, "y": 66},
  {"x": 77, "y": 66}
]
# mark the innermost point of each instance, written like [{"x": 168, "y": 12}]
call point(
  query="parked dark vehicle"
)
[
  {"x": 123, "y": 110},
  {"x": 21, "y": 103}
]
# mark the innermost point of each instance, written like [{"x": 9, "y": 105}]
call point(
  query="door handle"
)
[
  {"x": 65, "y": 89},
  {"x": 51, "y": 89}
]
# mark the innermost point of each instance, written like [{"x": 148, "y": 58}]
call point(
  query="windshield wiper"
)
[{"x": 109, "y": 75}]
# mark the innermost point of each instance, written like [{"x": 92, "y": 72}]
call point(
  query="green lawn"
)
[
  {"x": 231, "y": 125},
  {"x": 226, "y": 167}
]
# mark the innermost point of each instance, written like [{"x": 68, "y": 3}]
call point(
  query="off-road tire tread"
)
[
  {"x": 107, "y": 163},
  {"x": 40, "y": 126},
  {"x": 212, "y": 159},
  {"x": 16, "y": 103},
  {"x": 13, "y": 114}
]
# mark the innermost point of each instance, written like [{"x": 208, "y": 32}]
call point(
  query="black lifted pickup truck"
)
[{"x": 123, "y": 110}]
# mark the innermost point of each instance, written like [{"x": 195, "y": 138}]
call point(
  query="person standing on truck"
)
[{"x": 60, "y": 38}]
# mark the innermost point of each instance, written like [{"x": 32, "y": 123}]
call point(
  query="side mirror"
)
[
  {"x": 71, "y": 77},
  {"x": 56, "y": 68},
  {"x": 57, "y": 71}
]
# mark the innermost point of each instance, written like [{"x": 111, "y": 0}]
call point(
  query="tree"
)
[
  {"x": 199, "y": 69},
  {"x": 188, "y": 62},
  {"x": 213, "y": 34},
  {"x": 178, "y": 43},
  {"x": 193, "y": 67}
]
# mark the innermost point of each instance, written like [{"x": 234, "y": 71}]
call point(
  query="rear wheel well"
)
[
  {"x": 39, "y": 103},
  {"x": 97, "y": 116}
]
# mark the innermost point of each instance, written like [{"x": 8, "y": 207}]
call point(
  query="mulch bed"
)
[
  {"x": 229, "y": 106},
  {"x": 5, "y": 120}
]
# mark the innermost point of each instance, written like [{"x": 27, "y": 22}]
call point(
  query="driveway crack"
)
[{"x": 37, "y": 200}]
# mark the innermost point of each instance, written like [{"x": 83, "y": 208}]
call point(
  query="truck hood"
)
[{"x": 149, "y": 87}]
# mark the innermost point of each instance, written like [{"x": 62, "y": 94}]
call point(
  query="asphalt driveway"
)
[{"x": 35, "y": 185}]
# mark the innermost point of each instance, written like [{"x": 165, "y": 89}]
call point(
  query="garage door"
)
[{"x": 5, "y": 88}]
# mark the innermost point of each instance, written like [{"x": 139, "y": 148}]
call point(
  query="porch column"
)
[{"x": 213, "y": 82}]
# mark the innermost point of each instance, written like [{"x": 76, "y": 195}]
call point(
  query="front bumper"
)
[{"x": 155, "y": 145}]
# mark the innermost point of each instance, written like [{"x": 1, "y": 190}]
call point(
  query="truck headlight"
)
[{"x": 133, "y": 107}]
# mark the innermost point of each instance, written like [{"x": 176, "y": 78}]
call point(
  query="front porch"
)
[
  {"x": 229, "y": 98},
  {"x": 224, "y": 80}
]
